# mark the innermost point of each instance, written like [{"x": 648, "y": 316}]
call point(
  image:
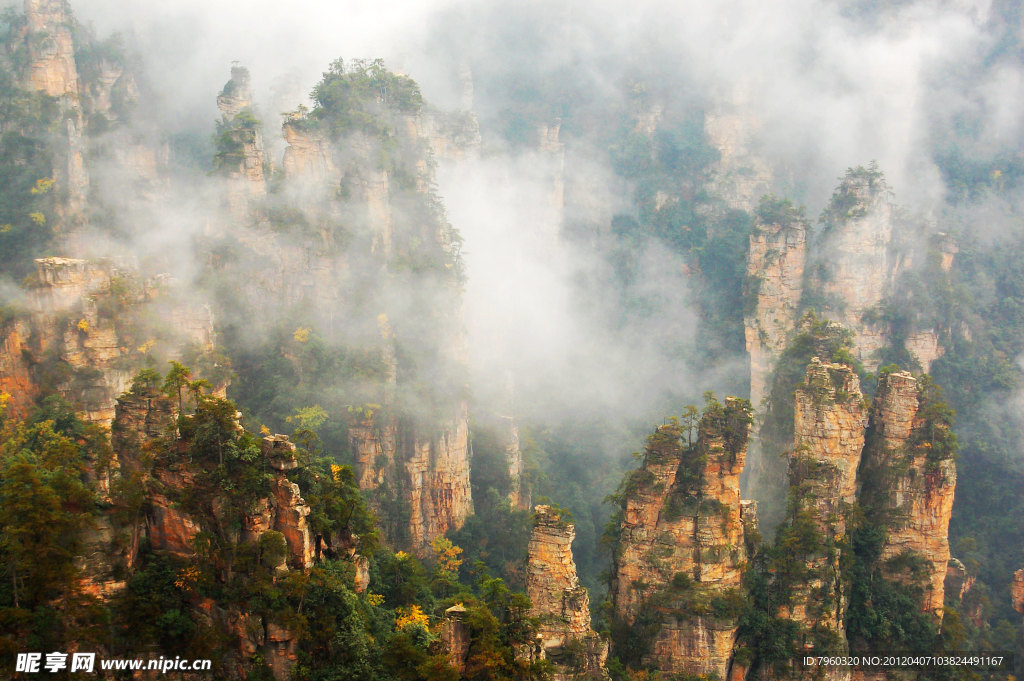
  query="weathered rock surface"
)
[
  {"x": 958, "y": 581},
  {"x": 829, "y": 423},
  {"x": 858, "y": 263},
  {"x": 244, "y": 165},
  {"x": 455, "y": 635},
  {"x": 51, "y": 49},
  {"x": 290, "y": 520},
  {"x": 775, "y": 273},
  {"x": 95, "y": 318},
  {"x": 438, "y": 477},
  {"x": 16, "y": 383},
  {"x": 907, "y": 479},
  {"x": 681, "y": 539},
  {"x": 558, "y": 600}
]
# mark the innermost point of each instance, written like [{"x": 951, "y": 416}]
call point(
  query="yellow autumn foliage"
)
[{"x": 412, "y": 615}]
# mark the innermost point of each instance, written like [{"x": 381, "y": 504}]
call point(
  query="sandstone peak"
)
[
  {"x": 236, "y": 96},
  {"x": 280, "y": 451},
  {"x": 558, "y": 600}
]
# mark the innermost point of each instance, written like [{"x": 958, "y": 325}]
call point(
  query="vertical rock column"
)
[
  {"x": 438, "y": 477},
  {"x": 829, "y": 423},
  {"x": 244, "y": 165},
  {"x": 857, "y": 265},
  {"x": 519, "y": 490},
  {"x": 559, "y": 601},
  {"x": 910, "y": 482},
  {"x": 775, "y": 272},
  {"x": 681, "y": 544},
  {"x": 52, "y": 70}
]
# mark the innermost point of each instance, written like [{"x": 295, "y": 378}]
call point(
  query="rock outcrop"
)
[
  {"x": 681, "y": 542},
  {"x": 775, "y": 279},
  {"x": 417, "y": 469},
  {"x": 906, "y": 474},
  {"x": 240, "y": 155},
  {"x": 455, "y": 635},
  {"x": 438, "y": 477},
  {"x": 857, "y": 261},
  {"x": 89, "y": 327},
  {"x": 51, "y": 48},
  {"x": 17, "y": 386},
  {"x": 558, "y": 600},
  {"x": 829, "y": 422},
  {"x": 519, "y": 489}
]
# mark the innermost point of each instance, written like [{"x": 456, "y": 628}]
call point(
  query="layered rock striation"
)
[
  {"x": 240, "y": 142},
  {"x": 829, "y": 421},
  {"x": 678, "y": 566},
  {"x": 51, "y": 48},
  {"x": 88, "y": 327},
  {"x": 558, "y": 600},
  {"x": 909, "y": 478},
  {"x": 775, "y": 280}
]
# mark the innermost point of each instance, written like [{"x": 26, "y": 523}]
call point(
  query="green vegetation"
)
[
  {"x": 688, "y": 444},
  {"x": 851, "y": 198},
  {"x": 361, "y": 97},
  {"x": 230, "y": 141}
]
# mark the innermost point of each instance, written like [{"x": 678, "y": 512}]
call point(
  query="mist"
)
[{"x": 820, "y": 88}]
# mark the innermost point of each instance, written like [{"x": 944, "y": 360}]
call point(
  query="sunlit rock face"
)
[
  {"x": 51, "y": 48},
  {"x": 1017, "y": 591},
  {"x": 558, "y": 600},
  {"x": 829, "y": 422},
  {"x": 917, "y": 489},
  {"x": 681, "y": 540}
]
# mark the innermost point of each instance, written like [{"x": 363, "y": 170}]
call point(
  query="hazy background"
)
[{"x": 822, "y": 85}]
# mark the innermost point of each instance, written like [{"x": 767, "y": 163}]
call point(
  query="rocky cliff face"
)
[
  {"x": 829, "y": 423},
  {"x": 51, "y": 49},
  {"x": 558, "y": 600},
  {"x": 858, "y": 261},
  {"x": 438, "y": 478},
  {"x": 144, "y": 427},
  {"x": 417, "y": 468},
  {"x": 775, "y": 275},
  {"x": 89, "y": 328},
  {"x": 910, "y": 482},
  {"x": 519, "y": 491},
  {"x": 242, "y": 133},
  {"x": 681, "y": 541},
  {"x": 52, "y": 70}
]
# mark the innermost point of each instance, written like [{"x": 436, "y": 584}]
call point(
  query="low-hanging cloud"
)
[{"x": 829, "y": 87}]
